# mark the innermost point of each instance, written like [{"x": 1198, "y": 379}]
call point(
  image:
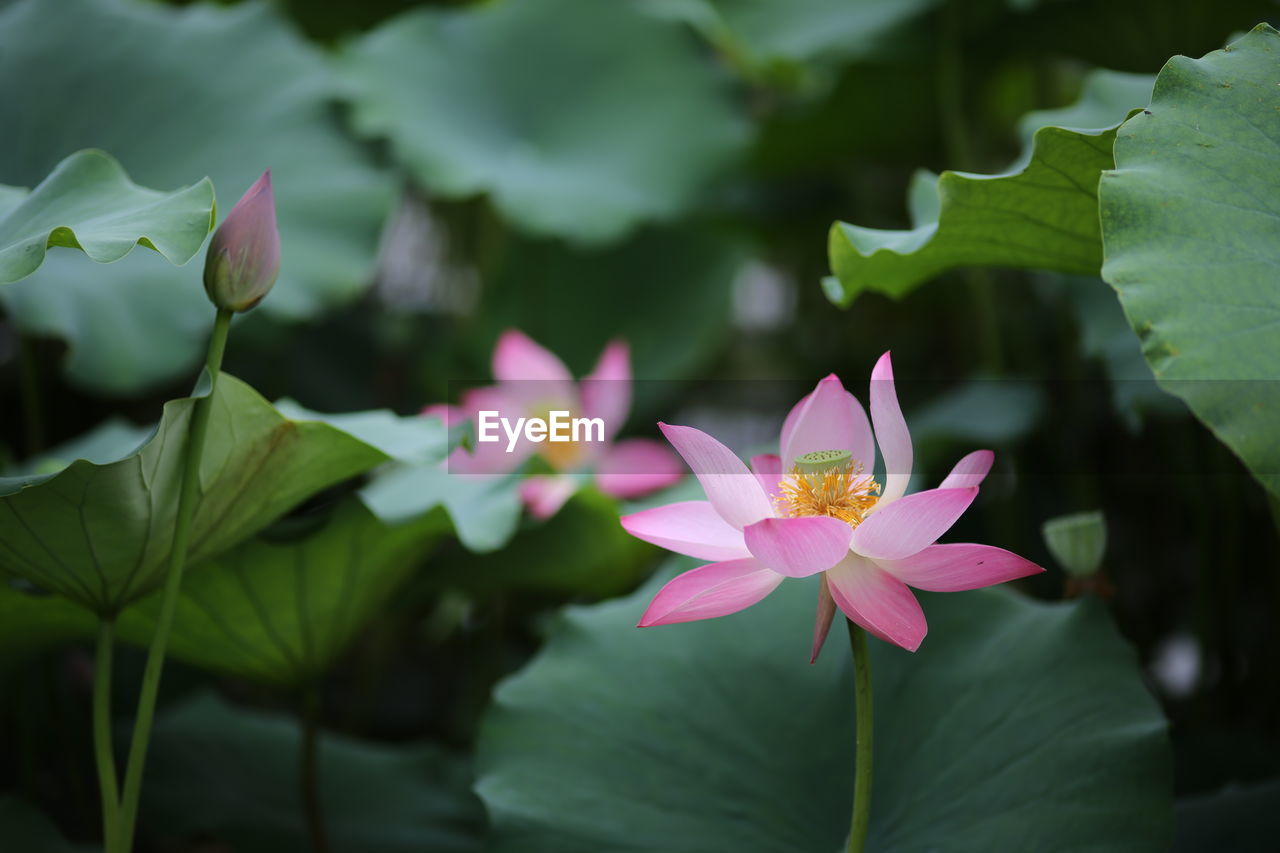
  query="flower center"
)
[{"x": 831, "y": 483}]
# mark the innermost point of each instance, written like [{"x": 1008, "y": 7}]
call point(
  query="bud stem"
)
[{"x": 123, "y": 841}]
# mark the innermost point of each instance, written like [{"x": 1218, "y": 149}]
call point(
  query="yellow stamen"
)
[{"x": 840, "y": 491}]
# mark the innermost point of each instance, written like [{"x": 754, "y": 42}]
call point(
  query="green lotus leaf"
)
[
  {"x": 222, "y": 91},
  {"x": 1017, "y": 726},
  {"x": 771, "y": 36},
  {"x": 1189, "y": 223},
  {"x": 281, "y": 608},
  {"x": 100, "y": 534},
  {"x": 1041, "y": 214},
  {"x": 89, "y": 203},
  {"x": 579, "y": 119}
]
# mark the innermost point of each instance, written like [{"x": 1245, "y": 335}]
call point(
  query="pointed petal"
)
[
  {"x": 828, "y": 419},
  {"x": 878, "y": 601},
  {"x": 798, "y": 547},
  {"x": 911, "y": 524},
  {"x": 959, "y": 566},
  {"x": 768, "y": 470},
  {"x": 688, "y": 527},
  {"x": 891, "y": 431},
  {"x": 544, "y": 495},
  {"x": 637, "y": 466},
  {"x": 708, "y": 591},
  {"x": 731, "y": 488},
  {"x": 606, "y": 390},
  {"x": 969, "y": 471},
  {"x": 518, "y": 357},
  {"x": 822, "y": 625}
]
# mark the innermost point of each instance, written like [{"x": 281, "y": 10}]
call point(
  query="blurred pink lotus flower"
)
[
  {"x": 243, "y": 259},
  {"x": 532, "y": 382},
  {"x": 816, "y": 508}
]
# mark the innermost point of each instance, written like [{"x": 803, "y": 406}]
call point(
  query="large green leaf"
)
[
  {"x": 1017, "y": 726},
  {"x": 281, "y": 610},
  {"x": 230, "y": 772},
  {"x": 580, "y": 119},
  {"x": 1190, "y": 219},
  {"x": 226, "y": 92},
  {"x": 101, "y": 533},
  {"x": 771, "y": 36},
  {"x": 1042, "y": 213},
  {"x": 89, "y": 203}
]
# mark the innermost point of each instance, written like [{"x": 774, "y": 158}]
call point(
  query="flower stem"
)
[
  {"x": 862, "y": 767},
  {"x": 309, "y": 771},
  {"x": 104, "y": 755},
  {"x": 173, "y": 583}
]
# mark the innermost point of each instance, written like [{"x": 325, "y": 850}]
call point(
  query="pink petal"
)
[
  {"x": 891, "y": 431},
  {"x": 533, "y": 376},
  {"x": 768, "y": 470},
  {"x": 959, "y": 566},
  {"x": 518, "y": 358},
  {"x": 688, "y": 527},
  {"x": 708, "y": 591},
  {"x": 606, "y": 391},
  {"x": 911, "y": 524},
  {"x": 798, "y": 547},
  {"x": 731, "y": 488},
  {"x": 544, "y": 495},
  {"x": 829, "y": 419},
  {"x": 637, "y": 466},
  {"x": 878, "y": 601},
  {"x": 822, "y": 625},
  {"x": 969, "y": 471}
]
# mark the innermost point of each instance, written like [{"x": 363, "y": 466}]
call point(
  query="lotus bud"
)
[{"x": 244, "y": 256}]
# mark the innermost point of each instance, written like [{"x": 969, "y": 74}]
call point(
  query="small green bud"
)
[{"x": 1077, "y": 541}]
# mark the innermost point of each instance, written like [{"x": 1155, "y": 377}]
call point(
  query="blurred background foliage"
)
[{"x": 660, "y": 170}]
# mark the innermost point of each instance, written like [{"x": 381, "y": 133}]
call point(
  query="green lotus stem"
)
[
  {"x": 862, "y": 750},
  {"x": 309, "y": 771},
  {"x": 103, "y": 753},
  {"x": 172, "y": 586}
]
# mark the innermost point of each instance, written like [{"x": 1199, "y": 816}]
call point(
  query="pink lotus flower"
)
[
  {"x": 532, "y": 382},
  {"x": 816, "y": 508},
  {"x": 243, "y": 260}
]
